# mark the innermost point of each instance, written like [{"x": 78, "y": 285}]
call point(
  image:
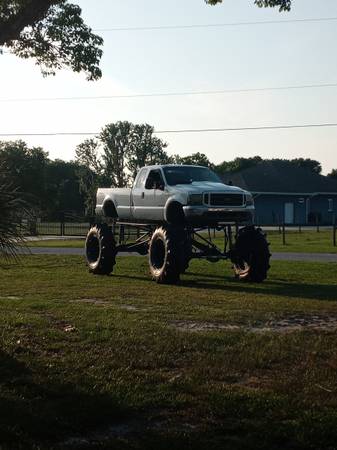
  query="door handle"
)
[{"x": 142, "y": 195}]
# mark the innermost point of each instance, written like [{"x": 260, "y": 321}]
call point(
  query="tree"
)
[
  {"x": 333, "y": 174},
  {"x": 238, "y": 164},
  {"x": 307, "y": 163},
  {"x": 90, "y": 173},
  {"x": 49, "y": 186},
  {"x": 145, "y": 149},
  {"x": 53, "y": 32},
  {"x": 283, "y": 5},
  {"x": 25, "y": 168},
  {"x": 62, "y": 190},
  {"x": 115, "y": 156},
  {"x": 197, "y": 159},
  {"x": 116, "y": 139}
]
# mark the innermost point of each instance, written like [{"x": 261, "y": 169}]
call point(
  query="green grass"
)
[
  {"x": 58, "y": 243},
  {"x": 307, "y": 241},
  {"x": 124, "y": 367}
]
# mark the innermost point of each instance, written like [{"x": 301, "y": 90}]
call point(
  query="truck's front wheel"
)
[
  {"x": 167, "y": 258},
  {"x": 100, "y": 250}
]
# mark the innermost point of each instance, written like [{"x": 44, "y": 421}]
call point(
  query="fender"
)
[{"x": 173, "y": 211}]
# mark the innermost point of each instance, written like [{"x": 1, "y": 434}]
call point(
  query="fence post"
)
[
  {"x": 279, "y": 224},
  {"x": 334, "y": 232},
  {"x": 283, "y": 234},
  {"x": 33, "y": 227},
  {"x": 300, "y": 228},
  {"x": 61, "y": 224},
  {"x": 317, "y": 223}
]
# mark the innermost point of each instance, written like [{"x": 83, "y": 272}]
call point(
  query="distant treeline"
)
[{"x": 56, "y": 187}]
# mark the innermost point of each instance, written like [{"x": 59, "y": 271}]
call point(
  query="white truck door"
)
[
  {"x": 138, "y": 194},
  {"x": 153, "y": 208}
]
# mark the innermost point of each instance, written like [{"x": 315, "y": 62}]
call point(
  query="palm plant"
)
[{"x": 12, "y": 208}]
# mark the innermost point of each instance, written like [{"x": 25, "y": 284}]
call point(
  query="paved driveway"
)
[{"x": 315, "y": 257}]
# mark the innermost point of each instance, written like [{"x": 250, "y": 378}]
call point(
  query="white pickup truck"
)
[
  {"x": 175, "y": 194},
  {"x": 172, "y": 209}
]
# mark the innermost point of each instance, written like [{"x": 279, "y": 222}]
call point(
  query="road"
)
[{"x": 313, "y": 257}]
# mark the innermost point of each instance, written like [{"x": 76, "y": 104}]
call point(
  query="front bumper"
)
[{"x": 205, "y": 215}]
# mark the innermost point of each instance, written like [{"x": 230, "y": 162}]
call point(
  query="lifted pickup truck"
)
[
  {"x": 173, "y": 194},
  {"x": 169, "y": 212}
]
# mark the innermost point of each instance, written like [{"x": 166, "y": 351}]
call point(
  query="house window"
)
[{"x": 330, "y": 202}]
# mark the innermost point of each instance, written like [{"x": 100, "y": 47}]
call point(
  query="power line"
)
[
  {"x": 170, "y": 94},
  {"x": 214, "y": 25},
  {"x": 181, "y": 131}
]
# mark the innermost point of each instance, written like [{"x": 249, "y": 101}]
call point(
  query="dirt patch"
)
[
  {"x": 298, "y": 323},
  {"x": 285, "y": 325},
  {"x": 186, "y": 325},
  {"x": 92, "y": 301},
  {"x": 98, "y": 302},
  {"x": 129, "y": 307}
]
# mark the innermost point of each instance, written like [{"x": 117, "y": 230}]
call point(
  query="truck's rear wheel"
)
[
  {"x": 251, "y": 255},
  {"x": 167, "y": 254},
  {"x": 100, "y": 250}
]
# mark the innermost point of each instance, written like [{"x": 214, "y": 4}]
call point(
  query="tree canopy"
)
[
  {"x": 53, "y": 32},
  {"x": 240, "y": 163},
  {"x": 283, "y": 5},
  {"x": 333, "y": 174},
  {"x": 114, "y": 157},
  {"x": 49, "y": 187},
  {"x": 197, "y": 159}
]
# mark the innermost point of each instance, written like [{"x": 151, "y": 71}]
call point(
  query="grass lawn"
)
[
  {"x": 58, "y": 243},
  {"x": 120, "y": 362},
  {"x": 306, "y": 242}
]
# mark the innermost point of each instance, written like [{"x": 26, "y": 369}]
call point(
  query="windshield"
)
[{"x": 188, "y": 174}]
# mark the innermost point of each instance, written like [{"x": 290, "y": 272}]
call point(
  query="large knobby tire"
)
[
  {"x": 251, "y": 255},
  {"x": 100, "y": 250},
  {"x": 169, "y": 254}
]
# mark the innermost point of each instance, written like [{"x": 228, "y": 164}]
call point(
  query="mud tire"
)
[
  {"x": 169, "y": 254},
  {"x": 251, "y": 255},
  {"x": 100, "y": 250}
]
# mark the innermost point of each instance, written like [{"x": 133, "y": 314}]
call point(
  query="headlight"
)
[
  {"x": 249, "y": 200},
  {"x": 195, "y": 199}
]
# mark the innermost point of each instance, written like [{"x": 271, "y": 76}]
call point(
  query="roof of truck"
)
[{"x": 160, "y": 166}]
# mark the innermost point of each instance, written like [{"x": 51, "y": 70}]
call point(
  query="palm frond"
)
[{"x": 13, "y": 208}]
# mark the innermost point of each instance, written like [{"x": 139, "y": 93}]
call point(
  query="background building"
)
[{"x": 289, "y": 194}]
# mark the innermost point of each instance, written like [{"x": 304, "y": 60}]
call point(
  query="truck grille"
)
[{"x": 224, "y": 199}]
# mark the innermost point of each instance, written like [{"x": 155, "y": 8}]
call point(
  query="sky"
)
[{"x": 193, "y": 59}]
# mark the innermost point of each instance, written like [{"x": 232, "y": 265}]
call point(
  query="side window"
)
[
  {"x": 141, "y": 178},
  {"x": 154, "y": 180}
]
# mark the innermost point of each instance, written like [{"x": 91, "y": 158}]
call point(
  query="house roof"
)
[{"x": 280, "y": 176}]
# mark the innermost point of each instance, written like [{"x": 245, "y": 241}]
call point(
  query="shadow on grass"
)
[
  {"x": 47, "y": 411},
  {"x": 273, "y": 288}
]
